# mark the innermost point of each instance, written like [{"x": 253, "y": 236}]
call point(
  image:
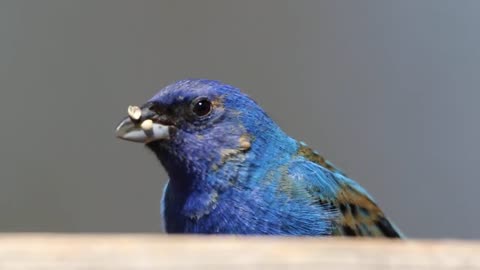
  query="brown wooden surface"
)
[{"x": 138, "y": 251}]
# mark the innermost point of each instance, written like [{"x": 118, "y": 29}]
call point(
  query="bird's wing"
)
[{"x": 357, "y": 212}]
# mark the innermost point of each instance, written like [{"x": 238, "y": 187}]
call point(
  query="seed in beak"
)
[
  {"x": 147, "y": 125},
  {"x": 134, "y": 112}
]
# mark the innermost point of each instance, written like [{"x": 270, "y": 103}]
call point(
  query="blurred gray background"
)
[{"x": 387, "y": 90}]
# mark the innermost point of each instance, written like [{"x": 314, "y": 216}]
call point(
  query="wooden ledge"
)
[{"x": 142, "y": 251}]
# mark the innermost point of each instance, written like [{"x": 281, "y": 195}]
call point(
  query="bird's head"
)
[{"x": 198, "y": 125}]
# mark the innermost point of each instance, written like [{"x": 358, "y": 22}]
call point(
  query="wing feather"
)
[{"x": 358, "y": 214}]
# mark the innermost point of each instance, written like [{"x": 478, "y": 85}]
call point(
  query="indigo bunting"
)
[{"x": 232, "y": 170}]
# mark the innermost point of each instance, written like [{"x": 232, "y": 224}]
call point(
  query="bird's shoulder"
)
[{"x": 357, "y": 213}]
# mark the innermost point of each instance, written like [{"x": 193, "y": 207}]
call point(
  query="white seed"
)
[
  {"x": 134, "y": 112},
  {"x": 147, "y": 124}
]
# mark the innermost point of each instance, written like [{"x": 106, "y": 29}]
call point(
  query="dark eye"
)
[{"x": 201, "y": 106}]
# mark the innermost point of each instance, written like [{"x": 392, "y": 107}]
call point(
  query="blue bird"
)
[{"x": 233, "y": 170}]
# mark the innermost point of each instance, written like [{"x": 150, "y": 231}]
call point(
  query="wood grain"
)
[{"x": 139, "y": 251}]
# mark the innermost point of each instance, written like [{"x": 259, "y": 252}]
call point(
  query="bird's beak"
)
[{"x": 140, "y": 126}]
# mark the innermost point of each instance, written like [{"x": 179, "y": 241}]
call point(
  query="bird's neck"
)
[
  {"x": 182, "y": 172},
  {"x": 188, "y": 171},
  {"x": 195, "y": 187}
]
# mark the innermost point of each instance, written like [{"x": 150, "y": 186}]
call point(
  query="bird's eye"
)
[{"x": 201, "y": 106}]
